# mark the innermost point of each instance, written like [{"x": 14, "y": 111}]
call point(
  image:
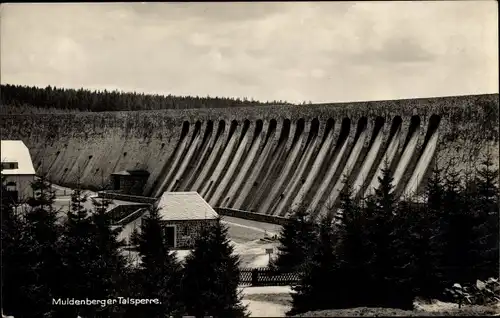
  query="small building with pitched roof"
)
[
  {"x": 130, "y": 182},
  {"x": 18, "y": 169},
  {"x": 184, "y": 215}
]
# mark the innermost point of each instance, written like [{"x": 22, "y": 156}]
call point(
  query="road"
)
[{"x": 242, "y": 230}]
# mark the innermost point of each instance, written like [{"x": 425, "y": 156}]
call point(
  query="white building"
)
[{"x": 18, "y": 168}]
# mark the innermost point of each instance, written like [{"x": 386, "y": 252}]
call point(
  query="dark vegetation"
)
[
  {"x": 25, "y": 97},
  {"x": 46, "y": 257},
  {"x": 381, "y": 251}
]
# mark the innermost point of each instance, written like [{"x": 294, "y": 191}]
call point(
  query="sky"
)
[{"x": 295, "y": 51}]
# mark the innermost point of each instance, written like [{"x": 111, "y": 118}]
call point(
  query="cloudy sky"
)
[{"x": 315, "y": 51}]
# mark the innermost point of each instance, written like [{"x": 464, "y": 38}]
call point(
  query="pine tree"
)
[
  {"x": 211, "y": 276},
  {"x": 160, "y": 272},
  {"x": 318, "y": 287},
  {"x": 296, "y": 240}
]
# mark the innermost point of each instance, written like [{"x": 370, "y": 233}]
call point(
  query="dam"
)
[{"x": 270, "y": 159}]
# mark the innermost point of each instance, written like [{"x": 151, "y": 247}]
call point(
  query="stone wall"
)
[
  {"x": 259, "y": 217},
  {"x": 125, "y": 197},
  {"x": 188, "y": 230}
]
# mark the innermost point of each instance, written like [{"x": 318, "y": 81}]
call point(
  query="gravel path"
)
[{"x": 265, "y": 309}]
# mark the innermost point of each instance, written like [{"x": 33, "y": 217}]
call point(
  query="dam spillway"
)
[
  {"x": 270, "y": 160},
  {"x": 310, "y": 150}
]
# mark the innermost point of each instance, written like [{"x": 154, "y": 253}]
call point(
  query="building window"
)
[
  {"x": 12, "y": 193},
  {"x": 9, "y": 165},
  {"x": 185, "y": 230},
  {"x": 11, "y": 186}
]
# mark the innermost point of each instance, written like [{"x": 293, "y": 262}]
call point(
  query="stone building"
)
[
  {"x": 17, "y": 167},
  {"x": 130, "y": 182},
  {"x": 184, "y": 214}
]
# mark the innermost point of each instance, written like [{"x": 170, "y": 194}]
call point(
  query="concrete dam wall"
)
[{"x": 272, "y": 159}]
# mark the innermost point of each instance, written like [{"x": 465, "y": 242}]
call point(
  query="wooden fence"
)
[{"x": 267, "y": 277}]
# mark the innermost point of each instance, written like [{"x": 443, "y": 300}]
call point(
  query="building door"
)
[{"x": 170, "y": 235}]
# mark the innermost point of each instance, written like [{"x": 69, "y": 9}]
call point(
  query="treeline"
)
[
  {"x": 383, "y": 252},
  {"x": 99, "y": 101},
  {"x": 48, "y": 261}
]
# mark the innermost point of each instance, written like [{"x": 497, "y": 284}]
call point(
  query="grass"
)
[{"x": 278, "y": 299}]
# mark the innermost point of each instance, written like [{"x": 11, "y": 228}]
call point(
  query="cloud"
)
[
  {"x": 394, "y": 51},
  {"x": 318, "y": 51}
]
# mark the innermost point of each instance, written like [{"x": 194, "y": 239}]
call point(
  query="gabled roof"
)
[
  {"x": 176, "y": 206},
  {"x": 16, "y": 151}
]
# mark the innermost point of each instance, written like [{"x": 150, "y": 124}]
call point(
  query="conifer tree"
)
[
  {"x": 381, "y": 217},
  {"x": 160, "y": 272},
  {"x": 352, "y": 251},
  {"x": 134, "y": 237},
  {"x": 14, "y": 250},
  {"x": 389, "y": 257},
  {"x": 42, "y": 232},
  {"x": 435, "y": 191},
  {"x": 317, "y": 287},
  {"x": 211, "y": 276},
  {"x": 455, "y": 228},
  {"x": 487, "y": 214},
  {"x": 296, "y": 240},
  {"x": 108, "y": 265},
  {"x": 78, "y": 252},
  {"x": 423, "y": 239}
]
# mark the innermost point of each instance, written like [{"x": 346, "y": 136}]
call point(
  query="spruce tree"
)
[
  {"x": 319, "y": 284},
  {"x": 465, "y": 229},
  {"x": 389, "y": 257},
  {"x": 159, "y": 273},
  {"x": 14, "y": 251},
  {"x": 78, "y": 249},
  {"x": 211, "y": 276},
  {"x": 487, "y": 214},
  {"x": 381, "y": 218},
  {"x": 353, "y": 253},
  {"x": 41, "y": 234},
  {"x": 455, "y": 230},
  {"x": 106, "y": 264},
  {"x": 422, "y": 223},
  {"x": 296, "y": 240}
]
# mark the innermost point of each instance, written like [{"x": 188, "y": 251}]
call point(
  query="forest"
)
[
  {"x": 18, "y": 98},
  {"x": 383, "y": 251},
  {"x": 380, "y": 252}
]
